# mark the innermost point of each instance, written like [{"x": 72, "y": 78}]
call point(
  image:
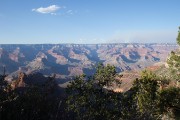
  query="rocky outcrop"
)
[{"x": 19, "y": 83}]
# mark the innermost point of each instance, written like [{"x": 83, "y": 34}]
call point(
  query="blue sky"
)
[{"x": 89, "y": 21}]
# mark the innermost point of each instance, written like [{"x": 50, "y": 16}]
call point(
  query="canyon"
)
[{"x": 69, "y": 60}]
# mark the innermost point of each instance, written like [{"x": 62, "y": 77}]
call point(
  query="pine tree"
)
[
  {"x": 178, "y": 38},
  {"x": 146, "y": 93},
  {"x": 91, "y": 98},
  {"x": 174, "y": 60}
]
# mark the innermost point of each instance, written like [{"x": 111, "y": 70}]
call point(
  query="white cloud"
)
[{"x": 50, "y": 9}]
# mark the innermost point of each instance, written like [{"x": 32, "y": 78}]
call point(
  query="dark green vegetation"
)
[
  {"x": 178, "y": 38},
  {"x": 174, "y": 61},
  {"x": 92, "y": 98},
  {"x": 32, "y": 102}
]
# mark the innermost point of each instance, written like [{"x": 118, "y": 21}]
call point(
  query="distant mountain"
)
[{"x": 68, "y": 60}]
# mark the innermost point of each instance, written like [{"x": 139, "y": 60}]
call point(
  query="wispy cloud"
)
[
  {"x": 144, "y": 36},
  {"x": 50, "y": 9},
  {"x": 90, "y": 40},
  {"x": 69, "y": 12}
]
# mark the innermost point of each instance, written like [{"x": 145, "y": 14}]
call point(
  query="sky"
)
[{"x": 88, "y": 21}]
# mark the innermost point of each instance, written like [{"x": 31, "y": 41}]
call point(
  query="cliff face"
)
[{"x": 67, "y": 60}]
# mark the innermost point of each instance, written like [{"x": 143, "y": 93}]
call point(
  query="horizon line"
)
[{"x": 82, "y": 43}]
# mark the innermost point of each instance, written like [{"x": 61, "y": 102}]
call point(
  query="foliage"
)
[
  {"x": 93, "y": 98},
  {"x": 169, "y": 102},
  {"x": 105, "y": 75},
  {"x": 178, "y": 37},
  {"x": 3, "y": 90},
  {"x": 154, "y": 101},
  {"x": 174, "y": 65},
  {"x": 146, "y": 93},
  {"x": 174, "y": 61},
  {"x": 31, "y": 102},
  {"x": 90, "y": 99}
]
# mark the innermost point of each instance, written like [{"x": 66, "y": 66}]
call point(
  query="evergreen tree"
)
[
  {"x": 173, "y": 61},
  {"x": 33, "y": 102},
  {"x": 178, "y": 37},
  {"x": 169, "y": 103},
  {"x": 90, "y": 98},
  {"x": 145, "y": 96}
]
